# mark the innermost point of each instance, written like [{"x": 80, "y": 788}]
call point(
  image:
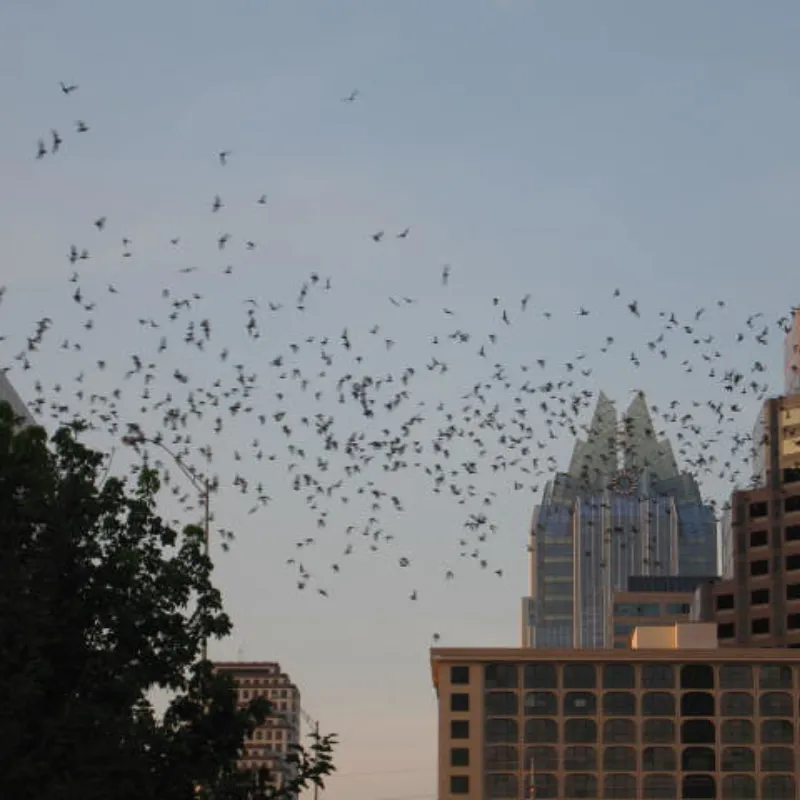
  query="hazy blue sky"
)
[{"x": 558, "y": 148}]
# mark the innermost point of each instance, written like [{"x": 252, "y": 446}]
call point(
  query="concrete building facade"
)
[
  {"x": 9, "y": 395},
  {"x": 270, "y": 743},
  {"x": 674, "y": 717},
  {"x": 758, "y": 605}
]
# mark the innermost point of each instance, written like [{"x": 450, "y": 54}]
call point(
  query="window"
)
[
  {"x": 778, "y": 787},
  {"x": 580, "y": 676},
  {"x": 459, "y": 675},
  {"x": 658, "y": 704},
  {"x": 619, "y": 730},
  {"x": 697, "y": 676},
  {"x": 737, "y": 704},
  {"x": 660, "y": 787},
  {"x": 459, "y": 757},
  {"x": 698, "y": 731},
  {"x": 501, "y": 785},
  {"x": 541, "y": 704},
  {"x": 619, "y": 758},
  {"x": 619, "y": 676},
  {"x": 777, "y": 759},
  {"x": 637, "y": 610},
  {"x": 677, "y": 608},
  {"x": 540, "y": 676},
  {"x": 501, "y": 676},
  {"x": 502, "y": 704},
  {"x": 697, "y": 704},
  {"x": 758, "y": 538},
  {"x": 738, "y": 759},
  {"x": 619, "y": 704},
  {"x": 777, "y": 731},
  {"x": 760, "y": 567},
  {"x": 739, "y": 787},
  {"x": 698, "y": 759},
  {"x": 759, "y": 597},
  {"x": 502, "y": 757},
  {"x": 793, "y": 591},
  {"x": 580, "y": 731},
  {"x": 775, "y": 704},
  {"x": 620, "y": 787},
  {"x": 658, "y": 676},
  {"x": 791, "y": 475},
  {"x": 775, "y": 676},
  {"x": 541, "y": 730},
  {"x": 546, "y": 786},
  {"x": 724, "y": 602},
  {"x": 658, "y": 730},
  {"x": 580, "y": 757},
  {"x": 459, "y": 729},
  {"x": 792, "y": 533},
  {"x": 736, "y": 676},
  {"x": 459, "y": 702},
  {"x": 501, "y": 730},
  {"x": 459, "y": 784},
  {"x": 759, "y": 626},
  {"x": 577, "y": 704},
  {"x": 793, "y": 622},
  {"x": 758, "y": 510},
  {"x": 726, "y": 630},
  {"x": 577, "y": 787},
  {"x": 659, "y": 759},
  {"x": 738, "y": 731},
  {"x": 791, "y": 504},
  {"x": 793, "y": 562},
  {"x": 541, "y": 758}
]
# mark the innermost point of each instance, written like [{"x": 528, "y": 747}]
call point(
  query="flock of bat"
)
[{"x": 345, "y": 428}]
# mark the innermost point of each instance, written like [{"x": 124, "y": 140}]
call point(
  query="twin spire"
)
[{"x": 628, "y": 442}]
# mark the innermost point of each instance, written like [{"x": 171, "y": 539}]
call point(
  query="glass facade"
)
[{"x": 697, "y": 540}]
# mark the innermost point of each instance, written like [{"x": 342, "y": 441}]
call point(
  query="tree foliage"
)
[{"x": 101, "y": 602}]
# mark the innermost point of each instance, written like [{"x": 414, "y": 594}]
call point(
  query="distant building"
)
[
  {"x": 270, "y": 743},
  {"x": 791, "y": 356},
  {"x": 622, "y": 509},
  {"x": 673, "y": 717},
  {"x": 9, "y": 395}
]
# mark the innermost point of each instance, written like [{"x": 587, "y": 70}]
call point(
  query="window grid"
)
[{"x": 744, "y": 743}]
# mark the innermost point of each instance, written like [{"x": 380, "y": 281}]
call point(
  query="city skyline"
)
[{"x": 537, "y": 149}]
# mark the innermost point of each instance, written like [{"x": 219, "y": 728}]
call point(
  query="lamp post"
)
[{"x": 203, "y": 488}]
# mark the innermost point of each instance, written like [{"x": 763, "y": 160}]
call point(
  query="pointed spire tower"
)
[
  {"x": 641, "y": 447},
  {"x": 595, "y": 459}
]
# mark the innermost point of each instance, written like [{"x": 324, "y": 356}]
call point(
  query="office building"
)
[
  {"x": 758, "y": 602},
  {"x": 9, "y": 395},
  {"x": 622, "y": 509},
  {"x": 270, "y": 743},
  {"x": 673, "y": 717},
  {"x": 652, "y": 600}
]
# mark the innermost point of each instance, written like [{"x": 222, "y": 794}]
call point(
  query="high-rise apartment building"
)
[
  {"x": 9, "y": 395},
  {"x": 622, "y": 509},
  {"x": 270, "y": 743},
  {"x": 674, "y": 717},
  {"x": 758, "y": 601}
]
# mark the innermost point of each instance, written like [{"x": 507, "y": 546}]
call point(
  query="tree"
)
[{"x": 100, "y": 603}]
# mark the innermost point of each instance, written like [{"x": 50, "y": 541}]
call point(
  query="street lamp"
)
[{"x": 203, "y": 488}]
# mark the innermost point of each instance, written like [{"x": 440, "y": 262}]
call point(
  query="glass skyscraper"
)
[{"x": 622, "y": 509}]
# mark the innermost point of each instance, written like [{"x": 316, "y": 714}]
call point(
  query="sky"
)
[{"x": 557, "y": 149}]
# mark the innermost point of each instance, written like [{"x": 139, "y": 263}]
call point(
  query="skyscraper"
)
[
  {"x": 622, "y": 509},
  {"x": 791, "y": 355}
]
